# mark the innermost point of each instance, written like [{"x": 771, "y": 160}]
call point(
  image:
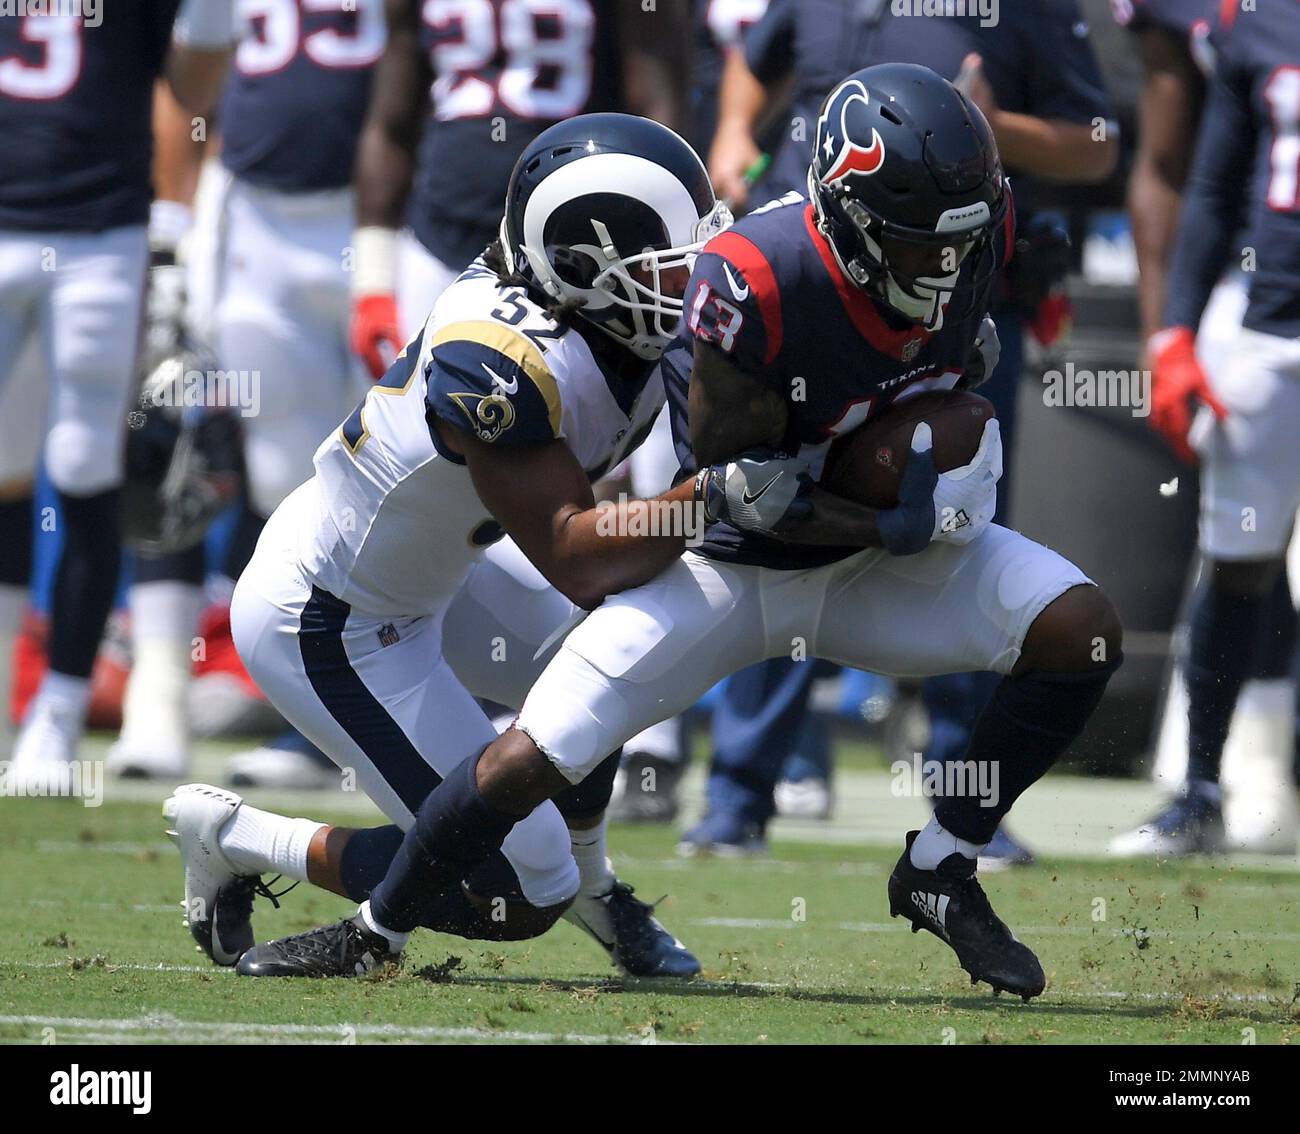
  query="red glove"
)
[
  {"x": 373, "y": 334},
  {"x": 1177, "y": 377}
]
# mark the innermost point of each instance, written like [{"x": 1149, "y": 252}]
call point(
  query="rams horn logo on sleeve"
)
[{"x": 490, "y": 415}]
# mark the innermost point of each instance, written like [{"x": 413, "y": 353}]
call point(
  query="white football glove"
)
[
  {"x": 985, "y": 353},
  {"x": 965, "y": 498}
]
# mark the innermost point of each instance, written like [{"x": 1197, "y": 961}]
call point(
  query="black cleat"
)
[
  {"x": 344, "y": 949},
  {"x": 950, "y": 903}
]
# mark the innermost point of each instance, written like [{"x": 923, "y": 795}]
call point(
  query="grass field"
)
[{"x": 797, "y": 947}]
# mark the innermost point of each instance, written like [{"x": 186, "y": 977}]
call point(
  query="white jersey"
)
[{"x": 391, "y": 522}]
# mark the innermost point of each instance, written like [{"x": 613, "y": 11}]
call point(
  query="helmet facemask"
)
[
  {"x": 615, "y": 237},
  {"x": 911, "y": 271}
]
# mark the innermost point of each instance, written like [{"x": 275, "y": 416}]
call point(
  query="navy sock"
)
[
  {"x": 16, "y": 542},
  {"x": 1028, "y": 723},
  {"x": 1225, "y": 629},
  {"x": 86, "y": 580},
  {"x": 188, "y": 566},
  {"x": 370, "y": 852},
  {"x": 586, "y": 800},
  {"x": 453, "y": 833},
  {"x": 366, "y": 859}
]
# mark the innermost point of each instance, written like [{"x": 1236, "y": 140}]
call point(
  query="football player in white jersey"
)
[{"x": 383, "y": 597}]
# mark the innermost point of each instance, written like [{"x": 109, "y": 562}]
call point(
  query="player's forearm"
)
[
  {"x": 196, "y": 76},
  {"x": 1154, "y": 206},
  {"x": 1053, "y": 149},
  {"x": 384, "y": 168},
  {"x": 834, "y": 522},
  {"x": 656, "y": 48},
  {"x": 741, "y": 98},
  {"x": 616, "y": 546}
]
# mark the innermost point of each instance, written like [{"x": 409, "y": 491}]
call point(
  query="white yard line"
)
[{"x": 170, "y": 1027}]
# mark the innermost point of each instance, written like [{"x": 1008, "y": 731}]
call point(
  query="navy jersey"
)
[
  {"x": 1192, "y": 19},
  {"x": 1182, "y": 16},
  {"x": 504, "y": 71},
  {"x": 720, "y": 26},
  {"x": 1250, "y": 133},
  {"x": 1037, "y": 57},
  {"x": 293, "y": 107},
  {"x": 76, "y": 104},
  {"x": 769, "y": 294}
]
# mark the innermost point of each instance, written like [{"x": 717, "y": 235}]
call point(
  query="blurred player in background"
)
[
  {"x": 76, "y": 96},
  {"x": 462, "y": 87},
  {"x": 1034, "y": 75},
  {"x": 1244, "y": 182},
  {"x": 269, "y": 272}
]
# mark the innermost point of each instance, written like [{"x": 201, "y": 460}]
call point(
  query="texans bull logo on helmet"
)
[{"x": 841, "y": 155}]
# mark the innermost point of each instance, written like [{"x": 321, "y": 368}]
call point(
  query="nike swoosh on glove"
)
[
  {"x": 1176, "y": 380},
  {"x": 373, "y": 334},
  {"x": 756, "y": 492},
  {"x": 965, "y": 498}
]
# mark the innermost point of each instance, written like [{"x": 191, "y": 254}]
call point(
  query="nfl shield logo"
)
[
  {"x": 388, "y": 634},
  {"x": 911, "y": 349}
]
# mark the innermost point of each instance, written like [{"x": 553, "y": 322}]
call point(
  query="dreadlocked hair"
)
[{"x": 561, "y": 310}]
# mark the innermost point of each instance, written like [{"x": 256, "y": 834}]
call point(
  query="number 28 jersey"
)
[
  {"x": 392, "y": 521},
  {"x": 504, "y": 70}
]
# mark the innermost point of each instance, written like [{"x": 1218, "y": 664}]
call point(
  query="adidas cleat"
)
[
  {"x": 344, "y": 949},
  {"x": 218, "y": 899},
  {"x": 626, "y": 928},
  {"x": 950, "y": 903}
]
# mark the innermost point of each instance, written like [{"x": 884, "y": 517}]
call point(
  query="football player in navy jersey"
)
[
  {"x": 1034, "y": 74},
  {"x": 1246, "y": 409},
  {"x": 462, "y": 87},
  {"x": 76, "y": 96},
  {"x": 802, "y": 321},
  {"x": 269, "y": 275}
]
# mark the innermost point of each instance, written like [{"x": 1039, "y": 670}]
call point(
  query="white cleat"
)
[
  {"x": 218, "y": 899},
  {"x": 133, "y": 760},
  {"x": 44, "y": 752},
  {"x": 804, "y": 799},
  {"x": 280, "y": 768}
]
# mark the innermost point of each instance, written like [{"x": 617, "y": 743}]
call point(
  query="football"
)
[{"x": 866, "y": 464}]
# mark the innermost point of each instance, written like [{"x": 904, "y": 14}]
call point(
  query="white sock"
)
[
  {"x": 595, "y": 871},
  {"x": 261, "y": 842},
  {"x": 934, "y": 844},
  {"x": 396, "y": 941},
  {"x": 66, "y": 696}
]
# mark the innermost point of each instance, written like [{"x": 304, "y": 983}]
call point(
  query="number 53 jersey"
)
[{"x": 391, "y": 521}]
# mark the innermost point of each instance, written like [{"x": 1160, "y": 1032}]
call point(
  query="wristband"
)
[{"x": 374, "y": 260}]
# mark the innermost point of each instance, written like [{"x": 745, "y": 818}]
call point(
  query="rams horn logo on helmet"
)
[{"x": 849, "y": 157}]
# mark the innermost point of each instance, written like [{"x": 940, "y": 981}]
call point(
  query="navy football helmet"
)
[
  {"x": 907, "y": 185},
  {"x": 607, "y": 212}
]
